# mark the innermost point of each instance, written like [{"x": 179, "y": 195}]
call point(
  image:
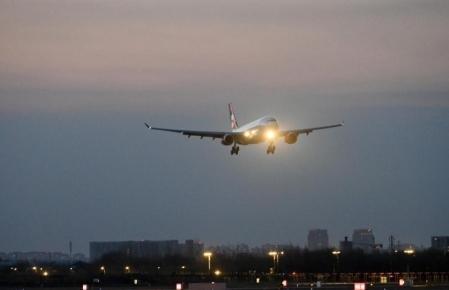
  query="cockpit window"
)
[{"x": 269, "y": 119}]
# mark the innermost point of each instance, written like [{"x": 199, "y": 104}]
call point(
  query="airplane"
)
[{"x": 265, "y": 129}]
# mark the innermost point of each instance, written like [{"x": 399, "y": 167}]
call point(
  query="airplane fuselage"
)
[{"x": 257, "y": 131}]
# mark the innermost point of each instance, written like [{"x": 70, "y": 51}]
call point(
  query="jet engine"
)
[
  {"x": 291, "y": 138},
  {"x": 227, "y": 140}
]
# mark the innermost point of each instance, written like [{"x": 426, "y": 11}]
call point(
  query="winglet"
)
[{"x": 148, "y": 126}]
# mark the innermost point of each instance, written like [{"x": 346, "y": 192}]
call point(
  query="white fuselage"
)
[{"x": 259, "y": 131}]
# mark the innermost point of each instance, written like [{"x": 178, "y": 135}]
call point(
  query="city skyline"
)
[
  {"x": 334, "y": 243},
  {"x": 79, "y": 79}
]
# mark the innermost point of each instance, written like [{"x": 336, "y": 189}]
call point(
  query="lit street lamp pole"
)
[
  {"x": 336, "y": 253},
  {"x": 275, "y": 255},
  {"x": 409, "y": 252},
  {"x": 208, "y": 255}
]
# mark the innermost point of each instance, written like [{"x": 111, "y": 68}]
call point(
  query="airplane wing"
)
[
  {"x": 188, "y": 133},
  {"x": 307, "y": 131}
]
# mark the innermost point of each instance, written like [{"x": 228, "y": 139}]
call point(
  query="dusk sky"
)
[{"x": 79, "y": 78}]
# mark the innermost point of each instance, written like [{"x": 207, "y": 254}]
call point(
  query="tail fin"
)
[{"x": 233, "y": 119}]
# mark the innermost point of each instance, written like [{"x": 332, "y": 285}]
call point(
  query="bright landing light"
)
[
  {"x": 270, "y": 134},
  {"x": 250, "y": 134}
]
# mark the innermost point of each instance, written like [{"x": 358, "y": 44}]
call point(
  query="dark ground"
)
[{"x": 327, "y": 287}]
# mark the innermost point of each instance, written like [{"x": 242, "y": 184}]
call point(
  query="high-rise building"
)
[
  {"x": 146, "y": 249},
  {"x": 346, "y": 245},
  {"x": 363, "y": 239},
  {"x": 317, "y": 239},
  {"x": 440, "y": 243}
]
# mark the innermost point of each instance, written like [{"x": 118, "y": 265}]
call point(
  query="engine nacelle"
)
[
  {"x": 291, "y": 138},
  {"x": 227, "y": 140}
]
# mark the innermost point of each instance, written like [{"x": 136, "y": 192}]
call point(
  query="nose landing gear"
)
[
  {"x": 271, "y": 148},
  {"x": 235, "y": 150}
]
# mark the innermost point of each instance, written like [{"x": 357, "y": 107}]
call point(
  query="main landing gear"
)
[
  {"x": 235, "y": 150},
  {"x": 271, "y": 148}
]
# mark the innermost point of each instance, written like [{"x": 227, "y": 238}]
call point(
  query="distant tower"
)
[
  {"x": 70, "y": 249},
  {"x": 391, "y": 243},
  {"x": 363, "y": 239},
  {"x": 346, "y": 245},
  {"x": 317, "y": 239},
  {"x": 440, "y": 243}
]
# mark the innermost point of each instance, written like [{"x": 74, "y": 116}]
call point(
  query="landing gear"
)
[
  {"x": 235, "y": 150},
  {"x": 271, "y": 148}
]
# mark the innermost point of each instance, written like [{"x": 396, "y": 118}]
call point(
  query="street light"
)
[
  {"x": 275, "y": 255},
  {"x": 336, "y": 253},
  {"x": 208, "y": 255},
  {"x": 409, "y": 252},
  {"x": 127, "y": 269},
  {"x": 103, "y": 269}
]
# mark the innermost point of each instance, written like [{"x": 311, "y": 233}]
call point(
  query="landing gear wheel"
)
[
  {"x": 271, "y": 148},
  {"x": 235, "y": 150}
]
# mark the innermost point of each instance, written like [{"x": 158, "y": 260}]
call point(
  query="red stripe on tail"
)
[{"x": 232, "y": 117}]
